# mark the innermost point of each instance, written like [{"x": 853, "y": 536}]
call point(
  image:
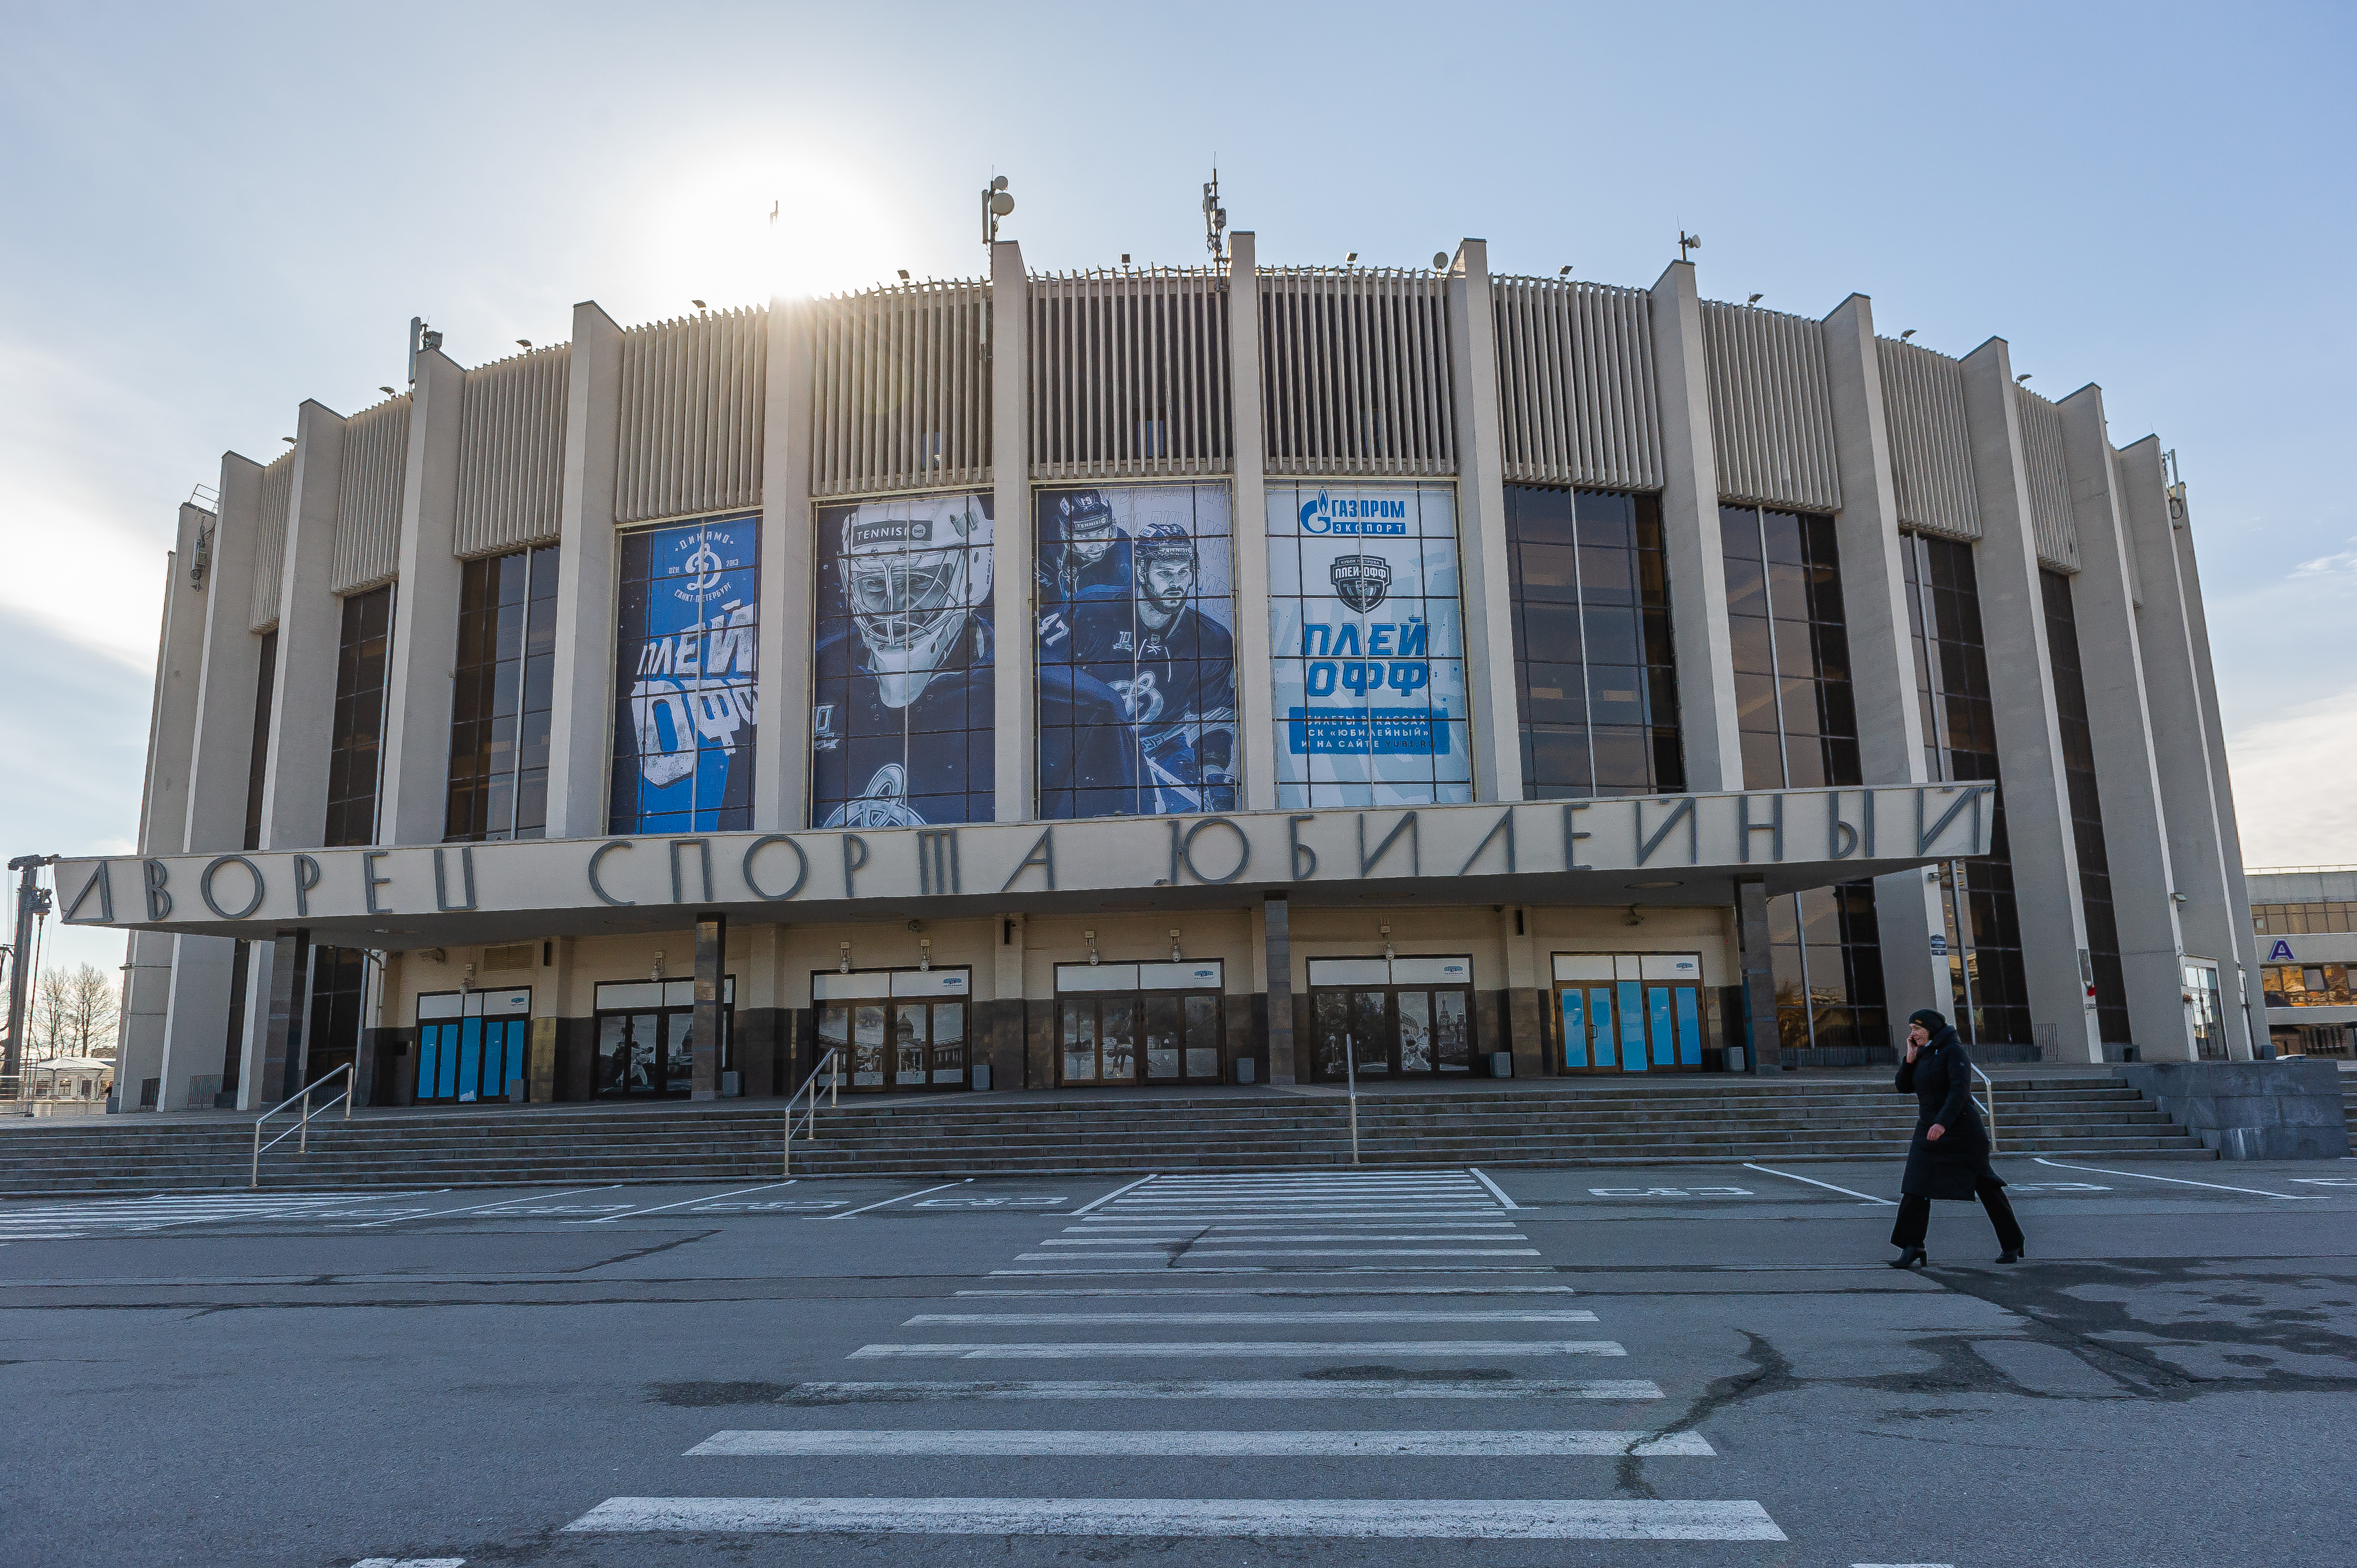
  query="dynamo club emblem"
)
[{"x": 1361, "y": 581}]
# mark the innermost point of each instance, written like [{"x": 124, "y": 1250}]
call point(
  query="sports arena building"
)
[{"x": 1172, "y": 676}]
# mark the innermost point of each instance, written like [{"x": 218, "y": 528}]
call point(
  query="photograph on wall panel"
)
[
  {"x": 901, "y": 705},
  {"x": 1368, "y": 645},
  {"x": 685, "y": 647},
  {"x": 1136, "y": 650}
]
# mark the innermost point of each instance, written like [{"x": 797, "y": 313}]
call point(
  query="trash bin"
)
[
  {"x": 1245, "y": 1068},
  {"x": 1502, "y": 1064},
  {"x": 978, "y": 1076}
]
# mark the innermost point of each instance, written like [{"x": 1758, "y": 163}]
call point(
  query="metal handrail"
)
[
  {"x": 303, "y": 1124},
  {"x": 810, "y": 1116},
  {"x": 1988, "y": 1110}
]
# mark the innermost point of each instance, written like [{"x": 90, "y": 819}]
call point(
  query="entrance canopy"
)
[{"x": 1655, "y": 850}]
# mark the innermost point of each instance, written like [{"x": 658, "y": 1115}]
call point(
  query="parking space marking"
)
[
  {"x": 1495, "y": 1190},
  {"x": 1116, "y": 1192},
  {"x": 2180, "y": 1181},
  {"x": 683, "y": 1203},
  {"x": 1788, "y": 1175},
  {"x": 919, "y": 1193},
  {"x": 1671, "y": 1192},
  {"x": 478, "y": 1207}
]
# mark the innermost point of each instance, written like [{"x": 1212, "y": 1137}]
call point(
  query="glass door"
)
[
  {"x": 646, "y": 1038},
  {"x": 1139, "y": 1023},
  {"x": 471, "y": 1045},
  {"x": 1623, "y": 1012},
  {"x": 896, "y": 1029},
  {"x": 1390, "y": 1017}
]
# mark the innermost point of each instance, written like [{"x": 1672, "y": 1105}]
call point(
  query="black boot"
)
[
  {"x": 2013, "y": 1255},
  {"x": 1910, "y": 1258}
]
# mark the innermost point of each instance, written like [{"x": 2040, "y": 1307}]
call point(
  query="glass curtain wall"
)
[
  {"x": 1798, "y": 724},
  {"x": 2304, "y": 919},
  {"x": 1594, "y": 674},
  {"x": 500, "y": 697},
  {"x": 2086, "y": 811},
  {"x": 1991, "y": 1002},
  {"x": 687, "y": 598},
  {"x": 359, "y": 731}
]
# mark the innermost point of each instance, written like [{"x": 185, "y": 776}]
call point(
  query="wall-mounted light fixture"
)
[
  {"x": 925, "y": 954},
  {"x": 1090, "y": 937},
  {"x": 1386, "y": 931},
  {"x": 845, "y": 965}
]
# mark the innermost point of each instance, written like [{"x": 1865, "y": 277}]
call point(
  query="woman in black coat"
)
[{"x": 1950, "y": 1155}]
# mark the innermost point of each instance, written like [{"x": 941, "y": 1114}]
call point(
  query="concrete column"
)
[
  {"x": 2207, "y": 914},
  {"x": 310, "y": 632},
  {"x": 1881, "y": 654},
  {"x": 279, "y": 1072},
  {"x": 163, "y": 802},
  {"x": 197, "y": 1025},
  {"x": 580, "y": 746},
  {"x": 1759, "y": 977},
  {"x": 415, "y": 776},
  {"x": 711, "y": 965},
  {"x": 1004, "y": 1034},
  {"x": 1256, "y": 720},
  {"x": 1690, "y": 545},
  {"x": 251, "y": 1036},
  {"x": 2035, "y": 791},
  {"x": 2246, "y": 943},
  {"x": 781, "y": 684},
  {"x": 1524, "y": 1006},
  {"x": 1277, "y": 947},
  {"x": 1016, "y": 756},
  {"x": 2128, "y": 777},
  {"x": 551, "y": 990},
  {"x": 1496, "y": 718}
]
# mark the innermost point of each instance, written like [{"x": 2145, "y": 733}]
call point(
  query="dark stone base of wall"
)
[{"x": 2289, "y": 1108}]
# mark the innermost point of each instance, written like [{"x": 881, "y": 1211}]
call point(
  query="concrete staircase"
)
[{"x": 962, "y": 1134}]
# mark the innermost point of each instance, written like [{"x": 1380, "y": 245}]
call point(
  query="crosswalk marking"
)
[
  {"x": 1282, "y": 1348},
  {"x": 1201, "y": 1444},
  {"x": 1318, "y": 1226},
  {"x": 1051, "y": 1319},
  {"x": 1510, "y": 1387},
  {"x": 1418, "y": 1518}
]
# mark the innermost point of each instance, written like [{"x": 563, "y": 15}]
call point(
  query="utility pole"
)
[{"x": 29, "y": 897}]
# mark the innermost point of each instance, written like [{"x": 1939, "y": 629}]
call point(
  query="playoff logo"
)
[{"x": 1361, "y": 581}]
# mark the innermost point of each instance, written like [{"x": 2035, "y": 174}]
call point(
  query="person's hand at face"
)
[{"x": 1917, "y": 1039}]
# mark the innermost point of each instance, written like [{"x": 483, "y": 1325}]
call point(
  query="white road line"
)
[
  {"x": 1282, "y": 1290},
  {"x": 683, "y": 1203},
  {"x": 1214, "y": 1239},
  {"x": 1168, "y": 1267},
  {"x": 903, "y": 1197},
  {"x": 476, "y": 1209},
  {"x": 942, "y": 1445},
  {"x": 1403, "y": 1518},
  {"x": 1049, "y": 1320},
  {"x": 1788, "y": 1175},
  {"x": 1285, "y": 1252},
  {"x": 1494, "y": 1186},
  {"x": 2180, "y": 1181},
  {"x": 1234, "y": 1389},
  {"x": 1244, "y": 1348},
  {"x": 1108, "y": 1198}
]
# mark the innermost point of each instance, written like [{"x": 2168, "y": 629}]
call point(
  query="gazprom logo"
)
[{"x": 1352, "y": 515}]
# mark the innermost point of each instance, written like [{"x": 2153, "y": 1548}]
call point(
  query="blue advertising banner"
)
[
  {"x": 902, "y": 702},
  {"x": 1136, "y": 650},
  {"x": 1368, "y": 642},
  {"x": 685, "y": 642}
]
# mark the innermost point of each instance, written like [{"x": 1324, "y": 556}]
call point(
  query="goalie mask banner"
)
[
  {"x": 685, "y": 647},
  {"x": 1369, "y": 646},
  {"x": 902, "y": 705},
  {"x": 1136, "y": 650}
]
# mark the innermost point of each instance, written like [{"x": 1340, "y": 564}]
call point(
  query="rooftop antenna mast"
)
[
  {"x": 995, "y": 205},
  {"x": 1215, "y": 219},
  {"x": 421, "y": 336}
]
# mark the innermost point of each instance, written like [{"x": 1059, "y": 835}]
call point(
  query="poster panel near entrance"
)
[
  {"x": 685, "y": 648},
  {"x": 1136, "y": 650},
  {"x": 1369, "y": 645},
  {"x": 902, "y": 709}
]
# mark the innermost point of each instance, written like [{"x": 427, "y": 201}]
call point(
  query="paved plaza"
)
[{"x": 1661, "y": 1365}]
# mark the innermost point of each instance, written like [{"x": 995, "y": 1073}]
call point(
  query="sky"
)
[{"x": 209, "y": 214}]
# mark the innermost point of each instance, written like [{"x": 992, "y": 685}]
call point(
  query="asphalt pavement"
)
[{"x": 1707, "y": 1365}]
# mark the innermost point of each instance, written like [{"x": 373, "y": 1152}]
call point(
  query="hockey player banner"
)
[
  {"x": 686, "y": 646},
  {"x": 1368, "y": 642},
  {"x": 901, "y": 710},
  {"x": 1136, "y": 650}
]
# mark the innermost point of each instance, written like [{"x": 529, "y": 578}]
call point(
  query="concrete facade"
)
[{"x": 1521, "y": 893}]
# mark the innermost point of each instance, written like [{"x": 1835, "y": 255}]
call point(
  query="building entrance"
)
[
  {"x": 470, "y": 1046},
  {"x": 1391, "y": 1017},
  {"x": 896, "y": 1028},
  {"x": 1628, "y": 1012},
  {"x": 1139, "y": 1023},
  {"x": 646, "y": 1038}
]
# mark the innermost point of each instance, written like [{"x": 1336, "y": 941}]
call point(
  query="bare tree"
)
[{"x": 74, "y": 1012}]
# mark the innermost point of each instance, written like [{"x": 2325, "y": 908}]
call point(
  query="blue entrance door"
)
[{"x": 473, "y": 1045}]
